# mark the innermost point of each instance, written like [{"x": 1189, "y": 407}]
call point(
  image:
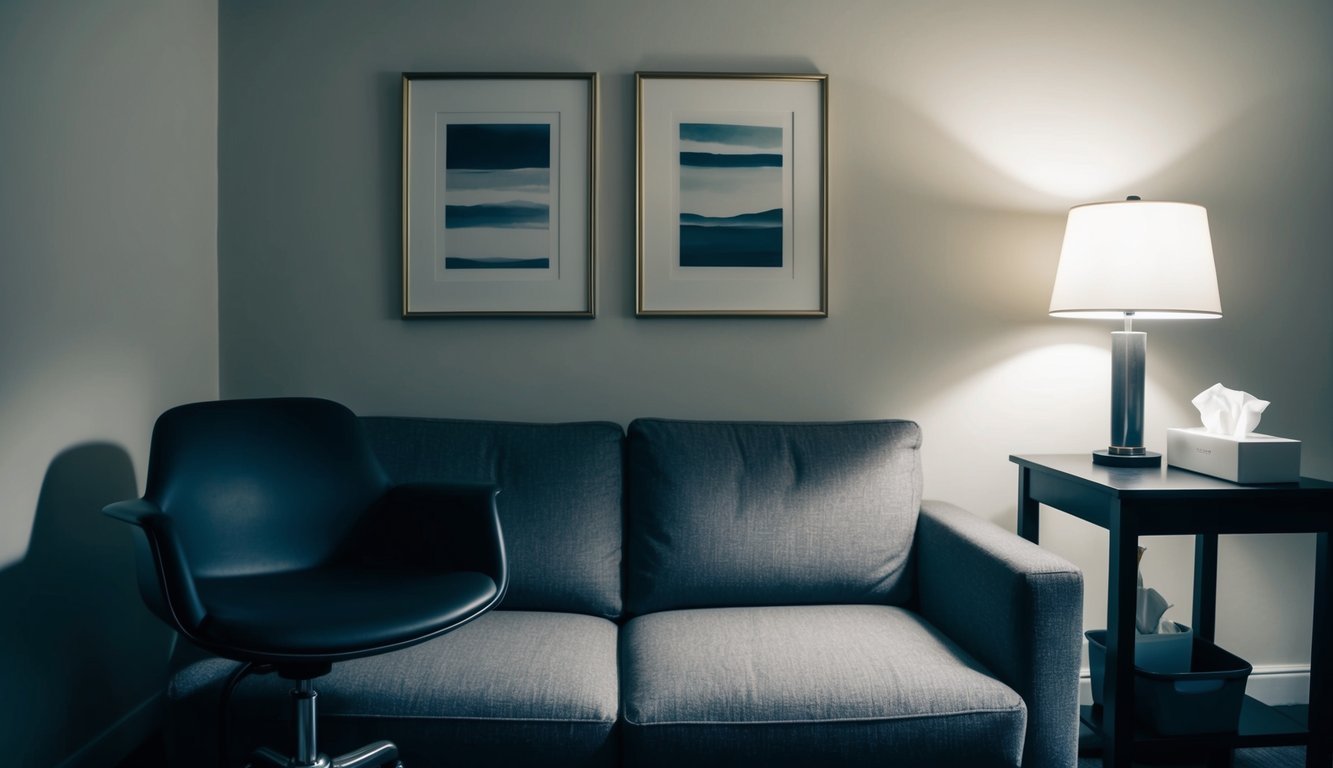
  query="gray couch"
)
[{"x": 703, "y": 593}]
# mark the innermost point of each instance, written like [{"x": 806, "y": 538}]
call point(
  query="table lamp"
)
[{"x": 1134, "y": 259}]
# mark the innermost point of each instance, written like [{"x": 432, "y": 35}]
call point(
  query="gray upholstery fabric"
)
[
  {"x": 809, "y": 685},
  {"x": 736, "y": 513},
  {"x": 818, "y": 529},
  {"x": 559, "y": 503},
  {"x": 511, "y": 688},
  {"x": 1016, "y": 607}
]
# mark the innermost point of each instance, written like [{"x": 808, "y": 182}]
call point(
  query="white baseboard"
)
[
  {"x": 1273, "y": 684},
  {"x": 123, "y": 736}
]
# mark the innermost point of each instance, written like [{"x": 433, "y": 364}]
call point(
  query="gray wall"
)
[
  {"x": 108, "y": 315},
  {"x": 960, "y": 134}
]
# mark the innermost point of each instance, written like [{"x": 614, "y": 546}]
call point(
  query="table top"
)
[{"x": 1158, "y": 481}]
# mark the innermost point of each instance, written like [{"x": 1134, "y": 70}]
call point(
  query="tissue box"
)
[{"x": 1254, "y": 458}]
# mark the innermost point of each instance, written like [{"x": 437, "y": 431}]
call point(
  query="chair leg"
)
[
  {"x": 267, "y": 757},
  {"x": 372, "y": 755}
]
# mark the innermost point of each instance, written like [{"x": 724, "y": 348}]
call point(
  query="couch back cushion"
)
[
  {"x": 559, "y": 502},
  {"x": 757, "y": 513}
]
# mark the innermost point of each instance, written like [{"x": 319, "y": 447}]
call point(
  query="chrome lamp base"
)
[{"x": 1145, "y": 460}]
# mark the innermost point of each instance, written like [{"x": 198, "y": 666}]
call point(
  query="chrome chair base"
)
[
  {"x": 370, "y": 756},
  {"x": 374, "y": 755}
]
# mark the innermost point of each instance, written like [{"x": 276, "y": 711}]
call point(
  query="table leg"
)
[
  {"x": 1118, "y": 686},
  {"x": 1319, "y": 752},
  {"x": 1205, "y": 586},
  {"x": 1029, "y": 511}
]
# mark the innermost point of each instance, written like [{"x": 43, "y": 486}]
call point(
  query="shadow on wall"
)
[{"x": 78, "y": 650}]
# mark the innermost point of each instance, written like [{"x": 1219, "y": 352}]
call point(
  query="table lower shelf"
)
[{"x": 1260, "y": 726}]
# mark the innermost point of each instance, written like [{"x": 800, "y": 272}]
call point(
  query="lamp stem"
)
[
  {"x": 1128, "y": 354},
  {"x": 1129, "y": 351}
]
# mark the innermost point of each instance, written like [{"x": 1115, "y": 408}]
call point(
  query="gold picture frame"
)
[
  {"x": 499, "y": 194},
  {"x": 731, "y": 196}
]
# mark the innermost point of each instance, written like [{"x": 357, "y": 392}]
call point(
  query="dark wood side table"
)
[{"x": 1130, "y": 503}]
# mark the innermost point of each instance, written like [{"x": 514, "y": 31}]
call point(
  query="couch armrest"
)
[{"x": 1016, "y": 608}]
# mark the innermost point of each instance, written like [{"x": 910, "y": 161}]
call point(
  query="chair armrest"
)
[
  {"x": 132, "y": 511},
  {"x": 164, "y": 574},
  {"x": 436, "y": 526},
  {"x": 1016, "y": 608}
]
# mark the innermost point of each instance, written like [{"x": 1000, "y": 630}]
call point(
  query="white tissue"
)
[
  {"x": 1229, "y": 411},
  {"x": 1149, "y": 608}
]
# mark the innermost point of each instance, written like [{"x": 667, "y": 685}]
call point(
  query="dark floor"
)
[
  {"x": 1277, "y": 757},
  {"x": 1272, "y": 757},
  {"x": 150, "y": 755}
]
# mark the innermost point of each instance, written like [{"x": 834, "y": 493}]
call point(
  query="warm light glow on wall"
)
[
  {"x": 1083, "y": 104},
  {"x": 1058, "y": 402},
  {"x": 1066, "y": 150}
]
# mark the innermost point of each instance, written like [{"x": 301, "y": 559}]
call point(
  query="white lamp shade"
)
[{"x": 1151, "y": 258}]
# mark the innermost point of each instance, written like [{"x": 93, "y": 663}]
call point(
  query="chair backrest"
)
[{"x": 261, "y": 485}]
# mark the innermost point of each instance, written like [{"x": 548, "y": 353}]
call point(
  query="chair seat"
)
[{"x": 332, "y": 613}]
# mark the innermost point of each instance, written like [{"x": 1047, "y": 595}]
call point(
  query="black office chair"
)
[{"x": 269, "y": 534}]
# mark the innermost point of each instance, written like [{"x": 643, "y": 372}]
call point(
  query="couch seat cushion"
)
[
  {"x": 809, "y": 685},
  {"x": 511, "y": 688}
]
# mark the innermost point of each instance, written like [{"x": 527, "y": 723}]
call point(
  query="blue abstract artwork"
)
[
  {"x": 730, "y": 195},
  {"x": 497, "y": 212}
]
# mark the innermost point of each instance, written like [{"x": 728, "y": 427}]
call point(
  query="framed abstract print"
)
[
  {"x": 732, "y": 208},
  {"x": 499, "y": 194}
]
